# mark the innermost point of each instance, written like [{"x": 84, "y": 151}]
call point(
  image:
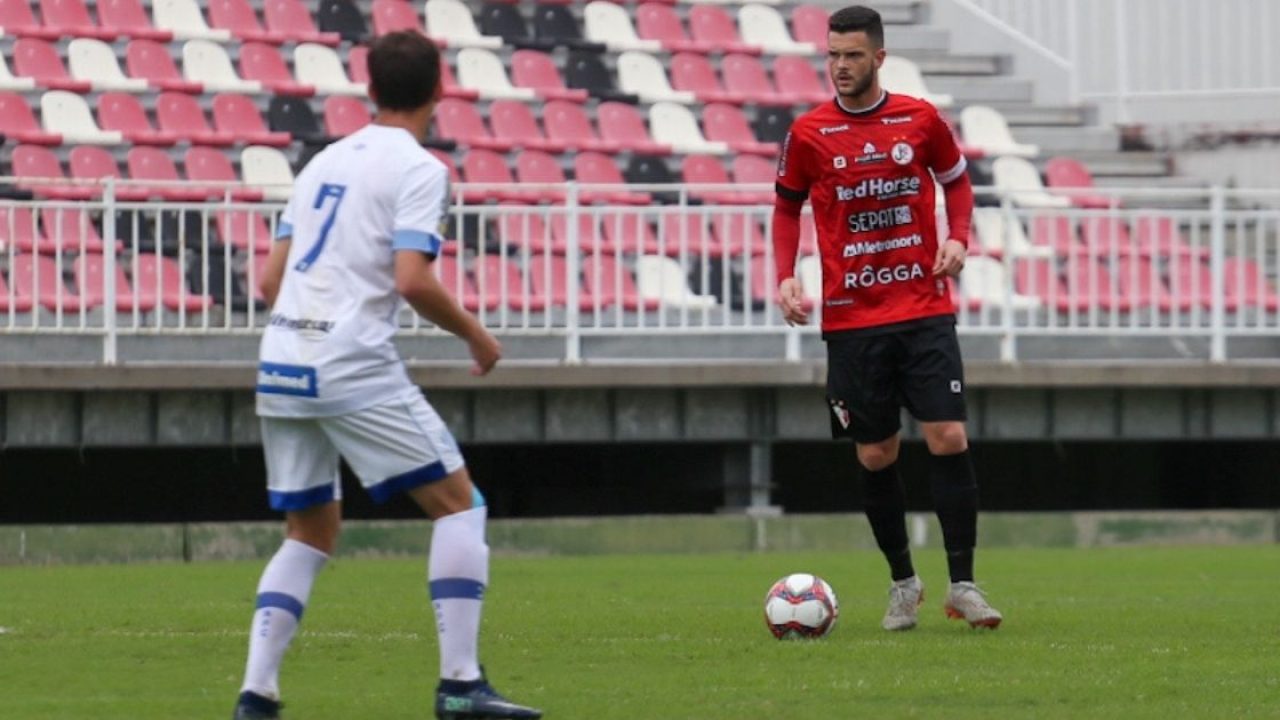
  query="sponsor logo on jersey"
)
[
  {"x": 902, "y": 153},
  {"x": 880, "y": 188},
  {"x": 833, "y": 129},
  {"x": 956, "y": 387},
  {"x": 280, "y": 379},
  {"x": 871, "y": 276},
  {"x": 839, "y": 162},
  {"x": 896, "y": 120},
  {"x": 869, "y": 155},
  {"x": 872, "y": 220},
  {"x": 841, "y": 411},
  {"x": 300, "y": 324},
  {"x": 875, "y": 247},
  {"x": 782, "y": 156}
]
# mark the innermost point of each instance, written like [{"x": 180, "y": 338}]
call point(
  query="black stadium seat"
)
[
  {"x": 772, "y": 123},
  {"x": 557, "y": 24},
  {"x": 586, "y": 71},
  {"x": 342, "y": 17},
  {"x": 295, "y": 116},
  {"x": 648, "y": 169},
  {"x": 505, "y": 20}
]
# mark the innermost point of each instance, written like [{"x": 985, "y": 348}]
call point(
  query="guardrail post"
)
[
  {"x": 1009, "y": 338},
  {"x": 573, "y": 334},
  {"x": 109, "y": 350},
  {"x": 1217, "y": 287}
]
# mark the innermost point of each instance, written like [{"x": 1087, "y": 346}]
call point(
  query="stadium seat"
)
[
  {"x": 534, "y": 167},
  {"x": 448, "y": 81},
  {"x": 1161, "y": 236},
  {"x": 711, "y": 24},
  {"x": 803, "y": 84},
  {"x": 343, "y": 18},
  {"x": 393, "y": 16},
  {"x": 659, "y": 22},
  {"x": 320, "y": 67},
  {"x": 809, "y": 273},
  {"x": 1245, "y": 283},
  {"x": 1080, "y": 285},
  {"x": 67, "y": 114},
  {"x": 567, "y": 122},
  {"x": 985, "y": 284},
  {"x": 39, "y": 278},
  {"x": 643, "y": 75},
  {"x": 514, "y": 121},
  {"x": 490, "y": 168},
  {"x": 652, "y": 170},
  {"x": 89, "y": 273},
  {"x": 537, "y": 71},
  {"x": 94, "y": 164},
  {"x": 1065, "y": 173},
  {"x": 504, "y": 20},
  {"x": 809, "y": 24},
  {"x": 344, "y": 115},
  {"x": 985, "y": 128},
  {"x": 238, "y": 116},
  {"x": 1017, "y": 179},
  {"x": 20, "y": 231},
  {"x": 675, "y": 125},
  {"x": 94, "y": 61},
  {"x": 10, "y": 83},
  {"x": 267, "y": 168},
  {"x": 609, "y": 280},
  {"x": 756, "y": 170},
  {"x": 708, "y": 170},
  {"x": 586, "y": 71},
  {"x": 70, "y": 230},
  {"x": 262, "y": 63},
  {"x": 180, "y": 114},
  {"x": 549, "y": 278},
  {"x": 1107, "y": 236},
  {"x": 10, "y": 299},
  {"x": 1056, "y": 232},
  {"x": 449, "y": 22},
  {"x": 460, "y": 283},
  {"x": 728, "y": 124},
  {"x": 16, "y": 18},
  {"x": 686, "y": 234},
  {"x": 500, "y": 281},
  {"x": 146, "y": 163},
  {"x": 239, "y": 18},
  {"x": 901, "y": 75},
  {"x": 18, "y": 123},
  {"x": 162, "y": 276},
  {"x": 207, "y": 63},
  {"x": 630, "y": 232},
  {"x": 150, "y": 60},
  {"x": 292, "y": 19},
  {"x": 295, "y": 117},
  {"x": 557, "y": 24},
  {"x": 745, "y": 75},
  {"x": 610, "y": 25},
  {"x": 461, "y": 121},
  {"x": 692, "y": 72},
  {"x": 37, "y": 59},
  {"x": 128, "y": 18},
  {"x": 590, "y": 239},
  {"x": 663, "y": 279},
  {"x": 184, "y": 19},
  {"x": 32, "y": 163},
  {"x": 762, "y": 26},
  {"x": 205, "y": 164},
  {"x": 243, "y": 230},
  {"x": 623, "y": 124},
  {"x": 481, "y": 71},
  {"x": 594, "y": 168},
  {"x": 737, "y": 233},
  {"x": 71, "y": 17},
  {"x": 771, "y": 124},
  {"x": 1140, "y": 281},
  {"x": 524, "y": 231},
  {"x": 997, "y": 238}
]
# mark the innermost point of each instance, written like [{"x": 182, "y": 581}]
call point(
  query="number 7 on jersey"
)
[{"x": 327, "y": 190}]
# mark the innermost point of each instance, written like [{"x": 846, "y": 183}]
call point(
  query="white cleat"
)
[
  {"x": 905, "y": 597},
  {"x": 966, "y": 602}
]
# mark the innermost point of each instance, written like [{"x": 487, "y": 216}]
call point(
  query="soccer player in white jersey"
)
[{"x": 359, "y": 234}]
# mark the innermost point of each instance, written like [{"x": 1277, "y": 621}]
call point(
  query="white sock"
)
[
  {"x": 458, "y": 571},
  {"x": 282, "y": 596}
]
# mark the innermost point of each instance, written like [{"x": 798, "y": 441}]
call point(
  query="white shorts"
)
[{"x": 392, "y": 447}]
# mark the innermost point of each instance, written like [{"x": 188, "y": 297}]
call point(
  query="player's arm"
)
[
  {"x": 791, "y": 190},
  {"x": 949, "y": 167},
  {"x": 273, "y": 269}
]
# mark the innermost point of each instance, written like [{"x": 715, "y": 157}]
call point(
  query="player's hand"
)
[
  {"x": 486, "y": 351},
  {"x": 791, "y": 301},
  {"x": 950, "y": 260}
]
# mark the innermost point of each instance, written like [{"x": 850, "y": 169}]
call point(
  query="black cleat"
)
[
  {"x": 476, "y": 700},
  {"x": 252, "y": 706}
]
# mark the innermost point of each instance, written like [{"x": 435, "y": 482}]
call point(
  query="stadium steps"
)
[
  {"x": 974, "y": 89},
  {"x": 901, "y": 12},
  {"x": 1133, "y": 164},
  {"x": 1059, "y": 140},
  {"x": 947, "y": 64},
  {"x": 1020, "y": 115}
]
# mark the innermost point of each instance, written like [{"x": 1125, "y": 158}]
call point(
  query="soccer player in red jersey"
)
[{"x": 867, "y": 162}]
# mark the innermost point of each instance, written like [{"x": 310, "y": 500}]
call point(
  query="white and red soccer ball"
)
[{"x": 801, "y": 606}]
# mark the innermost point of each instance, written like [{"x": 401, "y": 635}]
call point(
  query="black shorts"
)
[{"x": 873, "y": 373}]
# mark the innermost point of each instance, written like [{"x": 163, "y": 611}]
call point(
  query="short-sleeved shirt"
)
[
  {"x": 870, "y": 178},
  {"x": 327, "y": 349}
]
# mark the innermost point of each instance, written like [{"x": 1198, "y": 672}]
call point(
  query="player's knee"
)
[
  {"x": 946, "y": 438},
  {"x": 878, "y": 456},
  {"x": 323, "y": 539}
]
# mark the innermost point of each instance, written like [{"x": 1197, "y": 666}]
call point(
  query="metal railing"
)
[{"x": 1191, "y": 263}]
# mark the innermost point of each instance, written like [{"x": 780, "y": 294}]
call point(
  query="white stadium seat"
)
[
  {"x": 902, "y": 76},
  {"x": 482, "y": 71},
  {"x": 184, "y": 19},
  {"x": 95, "y": 61},
  {"x": 608, "y": 23},
  {"x": 642, "y": 74},
  {"x": 67, "y": 114},
  {"x": 762, "y": 25},
  {"x": 320, "y": 66},
  {"x": 8, "y": 81},
  {"x": 451, "y": 21},
  {"x": 675, "y": 125},
  {"x": 1017, "y": 179},
  {"x": 266, "y": 169},
  {"x": 984, "y": 280},
  {"x": 809, "y": 273},
  {"x": 207, "y": 63},
  {"x": 997, "y": 237},
  {"x": 663, "y": 279},
  {"x": 985, "y": 129}
]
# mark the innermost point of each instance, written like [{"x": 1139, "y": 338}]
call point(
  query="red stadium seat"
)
[
  {"x": 11, "y": 300},
  {"x": 549, "y": 278},
  {"x": 461, "y": 121},
  {"x": 656, "y": 21},
  {"x": 621, "y": 123},
  {"x": 754, "y": 169},
  {"x": 630, "y": 233},
  {"x": 205, "y": 164},
  {"x": 395, "y": 15},
  {"x": 809, "y": 24},
  {"x": 524, "y": 230},
  {"x": 513, "y": 120},
  {"x": 31, "y": 161},
  {"x": 70, "y": 229},
  {"x": 709, "y": 170},
  {"x": 243, "y": 230},
  {"x": 594, "y": 168},
  {"x": 37, "y": 59},
  {"x": 536, "y": 70},
  {"x": 613, "y": 283},
  {"x": 262, "y": 62},
  {"x": 1141, "y": 281},
  {"x": 151, "y": 61},
  {"x": 745, "y": 75},
  {"x": 344, "y": 115},
  {"x": 123, "y": 113},
  {"x": 711, "y": 24},
  {"x": 590, "y": 239},
  {"x": 738, "y": 234},
  {"x": 568, "y": 123},
  {"x": 358, "y": 63},
  {"x": 18, "y": 122},
  {"x": 92, "y": 163},
  {"x": 693, "y": 73},
  {"x": 1056, "y": 232},
  {"x": 128, "y": 18},
  {"x": 488, "y": 167},
  {"x": 180, "y": 114},
  {"x": 20, "y": 230},
  {"x": 1161, "y": 236},
  {"x": 17, "y": 19},
  {"x": 534, "y": 167},
  {"x": 1106, "y": 236},
  {"x": 291, "y": 19},
  {"x": 1081, "y": 284},
  {"x": 40, "y": 278},
  {"x": 803, "y": 84},
  {"x": 460, "y": 284},
  {"x": 157, "y": 275},
  {"x": 1069, "y": 173},
  {"x": 72, "y": 18},
  {"x": 154, "y": 164},
  {"x": 727, "y": 124},
  {"x": 686, "y": 233},
  {"x": 89, "y": 272},
  {"x": 238, "y": 17},
  {"x": 238, "y": 116},
  {"x": 1246, "y": 284}
]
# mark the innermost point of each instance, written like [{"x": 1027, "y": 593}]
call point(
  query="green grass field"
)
[{"x": 1132, "y": 633}]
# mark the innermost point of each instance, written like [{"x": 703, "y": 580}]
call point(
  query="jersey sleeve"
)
[
  {"x": 945, "y": 158},
  {"x": 420, "y": 209},
  {"x": 794, "y": 168},
  {"x": 284, "y": 227}
]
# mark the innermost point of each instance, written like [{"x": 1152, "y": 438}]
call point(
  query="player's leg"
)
[
  {"x": 302, "y": 478},
  {"x": 404, "y": 446},
  {"x": 864, "y": 406}
]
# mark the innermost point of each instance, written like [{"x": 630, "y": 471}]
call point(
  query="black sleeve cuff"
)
[{"x": 787, "y": 193}]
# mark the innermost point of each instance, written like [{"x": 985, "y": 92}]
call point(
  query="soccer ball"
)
[{"x": 801, "y": 606}]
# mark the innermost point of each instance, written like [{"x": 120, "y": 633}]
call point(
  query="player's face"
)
[{"x": 853, "y": 62}]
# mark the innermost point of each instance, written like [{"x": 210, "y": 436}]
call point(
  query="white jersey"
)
[{"x": 327, "y": 349}]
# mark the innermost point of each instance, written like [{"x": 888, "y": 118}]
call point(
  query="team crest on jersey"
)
[{"x": 902, "y": 153}]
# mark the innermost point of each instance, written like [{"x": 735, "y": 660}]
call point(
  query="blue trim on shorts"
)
[
  {"x": 389, "y": 488},
  {"x": 477, "y": 497},
  {"x": 287, "y": 603},
  {"x": 457, "y": 588},
  {"x": 300, "y": 499}
]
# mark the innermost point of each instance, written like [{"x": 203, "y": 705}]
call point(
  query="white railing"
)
[
  {"x": 1168, "y": 264},
  {"x": 1155, "y": 60}
]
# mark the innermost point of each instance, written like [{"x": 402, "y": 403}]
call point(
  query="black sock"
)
[
  {"x": 886, "y": 508},
  {"x": 955, "y": 497}
]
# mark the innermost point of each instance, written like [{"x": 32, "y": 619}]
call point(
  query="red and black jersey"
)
[{"x": 867, "y": 175}]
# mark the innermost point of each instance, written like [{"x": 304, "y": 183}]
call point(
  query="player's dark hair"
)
[
  {"x": 857, "y": 18},
  {"x": 404, "y": 70}
]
